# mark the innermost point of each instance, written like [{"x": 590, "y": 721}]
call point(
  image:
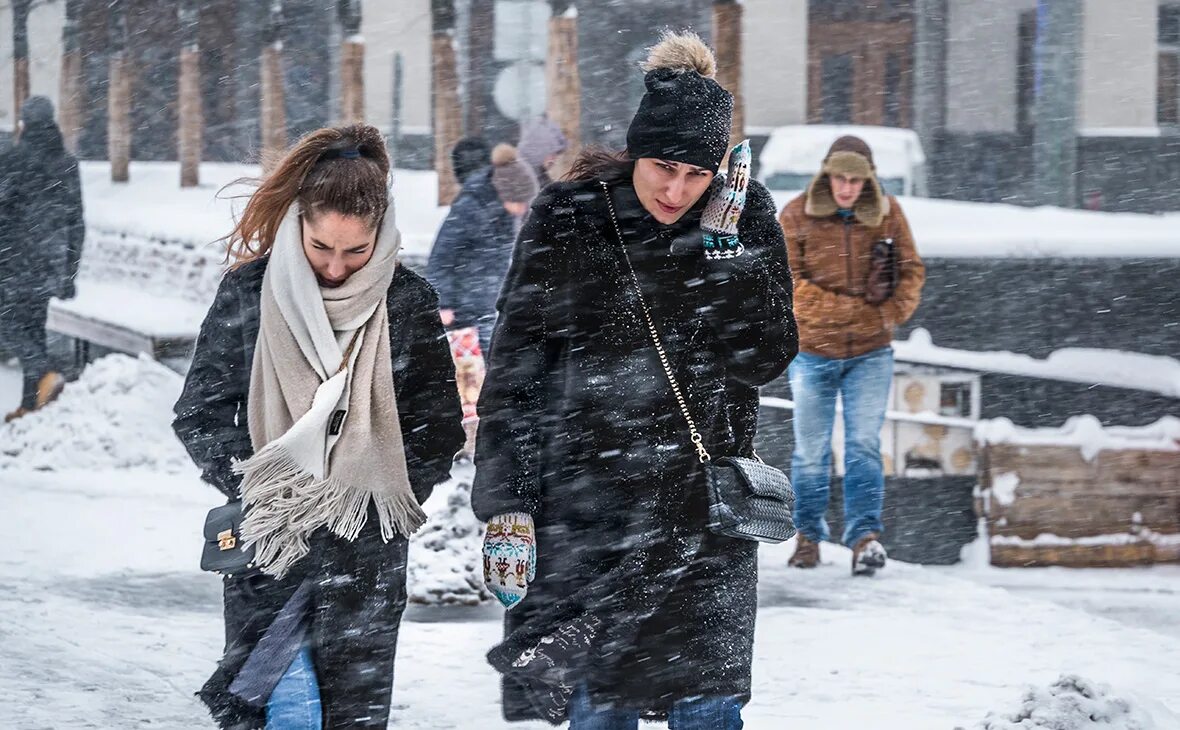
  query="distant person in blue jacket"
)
[{"x": 474, "y": 246}]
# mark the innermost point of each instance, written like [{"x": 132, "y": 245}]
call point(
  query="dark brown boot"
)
[
  {"x": 806, "y": 553},
  {"x": 49, "y": 388}
]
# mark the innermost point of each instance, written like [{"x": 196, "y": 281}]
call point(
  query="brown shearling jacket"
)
[{"x": 830, "y": 261}]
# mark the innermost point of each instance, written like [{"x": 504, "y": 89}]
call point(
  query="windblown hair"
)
[
  {"x": 683, "y": 51},
  {"x": 341, "y": 170},
  {"x": 600, "y": 163}
]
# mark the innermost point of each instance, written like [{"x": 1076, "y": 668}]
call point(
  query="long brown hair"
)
[
  {"x": 600, "y": 163},
  {"x": 341, "y": 170}
]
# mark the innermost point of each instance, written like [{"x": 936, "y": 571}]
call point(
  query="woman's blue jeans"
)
[
  {"x": 295, "y": 702},
  {"x": 695, "y": 713},
  {"x": 863, "y": 385}
]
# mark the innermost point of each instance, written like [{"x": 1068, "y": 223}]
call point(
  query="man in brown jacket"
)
[{"x": 857, "y": 276}]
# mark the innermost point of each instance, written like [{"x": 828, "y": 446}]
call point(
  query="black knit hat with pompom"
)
[{"x": 685, "y": 115}]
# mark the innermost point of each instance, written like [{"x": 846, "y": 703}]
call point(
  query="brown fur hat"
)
[{"x": 850, "y": 156}]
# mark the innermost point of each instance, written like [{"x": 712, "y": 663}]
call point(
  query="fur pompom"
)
[
  {"x": 684, "y": 51},
  {"x": 503, "y": 154}
]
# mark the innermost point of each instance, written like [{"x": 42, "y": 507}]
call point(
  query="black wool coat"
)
[
  {"x": 471, "y": 253},
  {"x": 41, "y": 223},
  {"x": 359, "y": 588},
  {"x": 580, "y": 428}
]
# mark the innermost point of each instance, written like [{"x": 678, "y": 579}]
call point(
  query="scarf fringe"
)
[{"x": 285, "y": 504}]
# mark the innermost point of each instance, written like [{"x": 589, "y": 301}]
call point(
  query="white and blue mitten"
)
[
  {"x": 509, "y": 556},
  {"x": 719, "y": 223}
]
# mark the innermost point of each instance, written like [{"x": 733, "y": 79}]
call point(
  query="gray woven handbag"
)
[{"x": 748, "y": 498}]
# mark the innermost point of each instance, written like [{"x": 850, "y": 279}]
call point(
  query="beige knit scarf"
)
[{"x": 326, "y": 436}]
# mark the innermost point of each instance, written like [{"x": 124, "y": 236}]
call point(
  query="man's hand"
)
[
  {"x": 447, "y": 316},
  {"x": 509, "y": 556}
]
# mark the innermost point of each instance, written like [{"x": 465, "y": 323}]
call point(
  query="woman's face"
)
[
  {"x": 668, "y": 189},
  {"x": 337, "y": 246}
]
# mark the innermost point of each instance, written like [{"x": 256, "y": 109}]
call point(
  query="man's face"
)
[{"x": 846, "y": 189}]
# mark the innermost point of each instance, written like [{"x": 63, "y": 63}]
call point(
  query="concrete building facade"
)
[{"x": 964, "y": 73}]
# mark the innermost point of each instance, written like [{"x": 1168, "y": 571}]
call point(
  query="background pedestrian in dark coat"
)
[
  {"x": 541, "y": 142},
  {"x": 474, "y": 245},
  {"x": 470, "y": 155},
  {"x": 340, "y": 604},
  {"x": 581, "y": 435},
  {"x": 41, "y": 232}
]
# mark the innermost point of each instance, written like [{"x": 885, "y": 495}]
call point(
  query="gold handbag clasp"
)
[{"x": 226, "y": 540}]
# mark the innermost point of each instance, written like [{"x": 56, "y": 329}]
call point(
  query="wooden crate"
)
[{"x": 1127, "y": 502}]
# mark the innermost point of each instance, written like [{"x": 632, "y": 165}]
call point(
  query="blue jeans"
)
[
  {"x": 863, "y": 385},
  {"x": 295, "y": 702},
  {"x": 696, "y": 713}
]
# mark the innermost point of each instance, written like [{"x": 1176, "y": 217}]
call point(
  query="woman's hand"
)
[
  {"x": 509, "y": 556},
  {"x": 719, "y": 223}
]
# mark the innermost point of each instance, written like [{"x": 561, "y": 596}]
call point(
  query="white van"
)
[{"x": 793, "y": 154}]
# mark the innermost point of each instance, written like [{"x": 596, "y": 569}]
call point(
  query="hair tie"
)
[{"x": 348, "y": 153}]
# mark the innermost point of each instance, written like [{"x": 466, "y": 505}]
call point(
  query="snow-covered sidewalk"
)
[{"x": 106, "y": 622}]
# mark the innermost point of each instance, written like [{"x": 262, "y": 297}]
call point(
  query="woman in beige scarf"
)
[{"x": 322, "y": 394}]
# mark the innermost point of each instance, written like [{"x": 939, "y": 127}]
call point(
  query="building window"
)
[
  {"x": 1026, "y": 70},
  {"x": 893, "y": 92},
  {"x": 1168, "y": 91},
  {"x": 954, "y": 399},
  {"x": 837, "y": 88}
]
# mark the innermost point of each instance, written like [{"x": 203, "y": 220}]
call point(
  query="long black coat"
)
[
  {"x": 359, "y": 587},
  {"x": 579, "y": 427},
  {"x": 41, "y": 224},
  {"x": 471, "y": 253}
]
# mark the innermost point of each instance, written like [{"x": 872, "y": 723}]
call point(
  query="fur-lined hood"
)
[{"x": 870, "y": 209}]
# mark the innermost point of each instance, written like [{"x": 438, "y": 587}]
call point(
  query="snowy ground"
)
[{"x": 106, "y": 622}]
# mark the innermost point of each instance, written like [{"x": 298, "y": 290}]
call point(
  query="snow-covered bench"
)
[{"x": 138, "y": 295}]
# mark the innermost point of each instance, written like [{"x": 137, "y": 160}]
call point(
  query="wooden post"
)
[
  {"x": 20, "y": 54},
  {"x": 189, "y": 96},
  {"x": 727, "y": 42},
  {"x": 273, "y": 116},
  {"x": 448, "y": 114},
  {"x": 119, "y": 95},
  {"x": 352, "y": 63},
  {"x": 563, "y": 82},
  {"x": 69, "y": 108},
  {"x": 480, "y": 42}
]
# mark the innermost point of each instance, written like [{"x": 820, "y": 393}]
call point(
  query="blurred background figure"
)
[
  {"x": 470, "y": 155},
  {"x": 469, "y": 260},
  {"x": 541, "y": 141},
  {"x": 41, "y": 232}
]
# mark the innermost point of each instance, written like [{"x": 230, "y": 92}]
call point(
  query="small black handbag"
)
[
  {"x": 748, "y": 499},
  {"x": 224, "y": 551}
]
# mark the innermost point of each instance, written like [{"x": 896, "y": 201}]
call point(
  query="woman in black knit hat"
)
[{"x": 623, "y": 604}]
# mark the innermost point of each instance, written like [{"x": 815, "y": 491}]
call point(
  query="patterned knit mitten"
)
[
  {"x": 719, "y": 223},
  {"x": 509, "y": 556}
]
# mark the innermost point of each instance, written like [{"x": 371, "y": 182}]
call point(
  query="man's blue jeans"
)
[
  {"x": 696, "y": 713},
  {"x": 863, "y": 385},
  {"x": 295, "y": 702}
]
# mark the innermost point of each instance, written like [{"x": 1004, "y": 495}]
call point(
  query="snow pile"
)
[
  {"x": 117, "y": 415},
  {"x": 1075, "y": 703},
  {"x": 153, "y": 205},
  {"x": 960, "y": 229},
  {"x": 1086, "y": 433},
  {"x": 445, "y": 555},
  {"x": 1092, "y": 366},
  {"x": 1136, "y": 536}
]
